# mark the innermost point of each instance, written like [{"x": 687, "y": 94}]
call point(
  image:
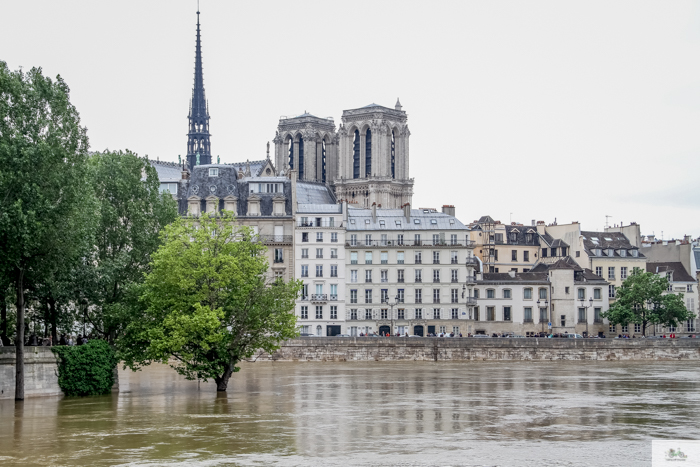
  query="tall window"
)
[
  {"x": 319, "y": 312},
  {"x": 323, "y": 161},
  {"x": 393, "y": 154},
  {"x": 301, "y": 158},
  {"x": 419, "y": 296},
  {"x": 506, "y": 313},
  {"x": 334, "y": 311},
  {"x": 436, "y": 295},
  {"x": 368, "y": 153},
  {"x": 291, "y": 152},
  {"x": 356, "y": 155},
  {"x": 304, "y": 312}
]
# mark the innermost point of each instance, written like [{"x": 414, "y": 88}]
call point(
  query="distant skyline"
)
[{"x": 547, "y": 110}]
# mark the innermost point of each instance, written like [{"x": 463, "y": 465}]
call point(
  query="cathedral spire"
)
[{"x": 198, "y": 136}]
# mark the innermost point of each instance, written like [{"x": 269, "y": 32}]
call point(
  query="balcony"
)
[
  {"x": 409, "y": 243},
  {"x": 470, "y": 301},
  {"x": 333, "y": 297},
  {"x": 470, "y": 280},
  {"x": 319, "y": 297},
  {"x": 399, "y": 261},
  {"x": 353, "y": 261},
  {"x": 278, "y": 260},
  {"x": 318, "y": 223},
  {"x": 453, "y": 261},
  {"x": 471, "y": 261},
  {"x": 270, "y": 239},
  {"x": 582, "y": 321},
  {"x": 527, "y": 320},
  {"x": 598, "y": 320}
]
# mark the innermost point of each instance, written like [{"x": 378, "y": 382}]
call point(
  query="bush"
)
[{"x": 86, "y": 370}]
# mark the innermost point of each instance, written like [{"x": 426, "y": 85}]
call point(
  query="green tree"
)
[
  {"x": 43, "y": 183},
  {"x": 207, "y": 303},
  {"x": 641, "y": 300},
  {"x": 131, "y": 213}
]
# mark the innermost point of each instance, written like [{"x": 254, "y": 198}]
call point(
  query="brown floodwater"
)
[{"x": 369, "y": 413}]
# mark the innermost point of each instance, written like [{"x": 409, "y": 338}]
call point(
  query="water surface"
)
[{"x": 367, "y": 413}]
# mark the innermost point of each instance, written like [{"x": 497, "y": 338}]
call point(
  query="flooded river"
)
[{"x": 369, "y": 413}]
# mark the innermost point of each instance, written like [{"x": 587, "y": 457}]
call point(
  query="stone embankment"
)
[
  {"x": 40, "y": 372},
  {"x": 321, "y": 349}
]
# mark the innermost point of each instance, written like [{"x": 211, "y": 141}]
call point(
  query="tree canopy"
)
[
  {"x": 641, "y": 299},
  {"x": 207, "y": 302}
]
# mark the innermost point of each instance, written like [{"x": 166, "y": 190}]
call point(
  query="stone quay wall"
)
[
  {"x": 334, "y": 349},
  {"x": 40, "y": 372}
]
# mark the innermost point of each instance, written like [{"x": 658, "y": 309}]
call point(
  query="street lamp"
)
[
  {"x": 583, "y": 305},
  {"x": 540, "y": 304},
  {"x": 391, "y": 304}
]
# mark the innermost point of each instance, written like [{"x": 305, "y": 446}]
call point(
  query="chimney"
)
[
  {"x": 345, "y": 211},
  {"x": 448, "y": 209},
  {"x": 293, "y": 177},
  {"x": 407, "y": 211},
  {"x": 374, "y": 212},
  {"x": 534, "y": 222}
]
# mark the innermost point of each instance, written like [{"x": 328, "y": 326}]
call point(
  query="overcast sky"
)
[{"x": 520, "y": 110}]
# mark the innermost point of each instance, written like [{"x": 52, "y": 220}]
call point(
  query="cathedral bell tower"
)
[{"x": 198, "y": 136}]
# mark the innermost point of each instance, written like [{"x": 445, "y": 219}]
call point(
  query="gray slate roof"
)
[
  {"x": 390, "y": 216},
  {"x": 519, "y": 277},
  {"x": 607, "y": 240},
  {"x": 167, "y": 171},
  {"x": 679, "y": 272},
  {"x": 314, "y": 193}
]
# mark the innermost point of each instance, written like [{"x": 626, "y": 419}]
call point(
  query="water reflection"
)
[{"x": 377, "y": 413}]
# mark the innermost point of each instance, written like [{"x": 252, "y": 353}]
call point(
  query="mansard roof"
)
[
  {"x": 486, "y": 220},
  {"x": 606, "y": 241},
  {"x": 521, "y": 277},
  {"x": 521, "y": 233},
  {"x": 167, "y": 171},
  {"x": 314, "y": 193},
  {"x": 363, "y": 220},
  {"x": 677, "y": 268}
]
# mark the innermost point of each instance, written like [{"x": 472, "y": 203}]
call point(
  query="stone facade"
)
[{"x": 40, "y": 372}]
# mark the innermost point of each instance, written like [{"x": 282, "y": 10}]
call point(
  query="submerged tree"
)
[
  {"x": 641, "y": 300},
  {"x": 207, "y": 303}
]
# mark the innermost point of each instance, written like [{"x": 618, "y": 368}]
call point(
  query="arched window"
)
[
  {"x": 301, "y": 158},
  {"x": 368, "y": 153},
  {"x": 323, "y": 161},
  {"x": 319, "y": 331},
  {"x": 290, "y": 151},
  {"x": 356, "y": 155},
  {"x": 393, "y": 154}
]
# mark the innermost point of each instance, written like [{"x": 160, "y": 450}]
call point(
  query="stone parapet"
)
[
  {"x": 469, "y": 349},
  {"x": 40, "y": 372}
]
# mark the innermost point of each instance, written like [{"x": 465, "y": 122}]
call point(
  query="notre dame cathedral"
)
[{"x": 364, "y": 161}]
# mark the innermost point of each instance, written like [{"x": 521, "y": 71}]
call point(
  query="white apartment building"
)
[
  {"x": 319, "y": 248},
  {"x": 405, "y": 272},
  {"x": 680, "y": 283}
]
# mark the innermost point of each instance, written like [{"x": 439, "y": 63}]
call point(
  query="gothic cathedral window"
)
[
  {"x": 356, "y": 155},
  {"x": 368, "y": 153}
]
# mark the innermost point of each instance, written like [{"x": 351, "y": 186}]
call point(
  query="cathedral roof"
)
[{"x": 314, "y": 193}]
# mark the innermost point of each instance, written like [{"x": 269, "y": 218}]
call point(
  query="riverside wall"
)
[
  {"x": 40, "y": 372},
  {"x": 335, "y": 349}
]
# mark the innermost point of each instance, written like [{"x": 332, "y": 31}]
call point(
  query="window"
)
[
  {"x": 490, "y": 313},
  {"x": 513, "y": 237},
  {"x": 596, "y": 294},
  {"x": 566, "y": 290},
  {"x": 436, "y": 257},
  {"x": 599, "y": 271},
  {"x": 399, "y": 275},
  {"x": 399, "y": 237},
  {"x": 304, "y": 270},
  {"x": 527, "y": 313},
  {"x": 368, "y": 238},
  {"x": 578, "y": 254},
  {"x": 382, "y": 223},
  {"x": 543, "y": 315},
  {"x": 304, "y": 312},
  {"x": 305, "y": 236},
  {"x": 319, "y": 252},
  {"x": 305, "y": 292},
  {"x": 623, "y": 272},
  {"x": 384, "y": 257},
  {"x": 611, "y": 328},
  {"x": 623, "y": 252},
  {"x": 384, "y": 313},
  {"x": 436, "y": 275},
  {"x": 581, "y": 315},
  {"x": 279, "y": 258},
  {"x": 436, "y": 295},
  {"x": 554, "y": 252},
  {"x": 611, "y": 272},
  {"x": 637, "y": 327},
  {"x": 419, "y": 295},
  {"x": 526, "y": 256},
  {"x": 514, "y": 255},
  {"x": 611, "y": 291},
  {"x": 581, "y": 294},
  {"x": 506, "y": 313},
  {"x": 384, "y": 275},
  {"x": 319, "y": 236},
  {"x": 490, "y": 293},
  {"x": 543, "y": 294},
  {"x": 453, "y": 257},
  {"x": 436, "y": 313},
  {"x": 213, "y": 172},
  {"x": 499, "y": 238},
  {"x": 353, "y": 315},
  {"x": 353, "y": 275},
  {"x": 476, "y": 293},
  {"x": 476, "y": 313},
  {"x": 334, "y": 270},
  {"x": 454, "y": 293},
  {"x": 563, "y": 320},
  {"x": 635, "y": 253},
  {"x": 506, "y": 293},
  {"x": 544, "y": 252},
  {"x": 399, "y": 257},
  {"x": 527, "y": 294},
  {"x": 454, "y": 275},
  {"x": 384, "y": 240},
  {"x": 368, "y": 313},
  {"x": 596, "y": 315},
  {"x": 368, "y": 295},
  {"x": 353, "y": 296},
  {"x": 319, "y": 270},
  {"x": 334, "y": 237},
  {"x": 334, "y": 311},
  {"x": 319, "y": 312},
  {"x": 625, "y": 329},
  {"x": 419, "y": 313},
  {"x": 419, "y": 257},
  {"x": 279, "y": 274},
  {"x": 353, "y": 257},
  {"x": 353, "y": 239},
  {"x": 334, "y": 291},
  {"x": 416, "y": 240},
  {"x": 419, "y": 275},
  {"x": 368, "y": 257},
  {"x": 455, "y": 313},
  {"x": 384, "y": 296},
  {"x": 416, "y": 221},
  {"x": 401, "y": 313},
  {"x": 368, "y": 275},
  {"x": 563, "y": 251},
  {"x": 399, "y": 295},
  {"x": 453, "y": 239},
  {"x": 304, "y": 253},
  {"x": 334, "y": 253},
  {"x": 689, "y": 288}
]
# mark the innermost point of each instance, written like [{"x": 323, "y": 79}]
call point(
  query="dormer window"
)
[
  {"x": 416, "y": 221},
  {"x": 528, "y": 238},
  {"x": 367, "y": 221},
  {"x": 513, "y": 237},
  {"x": 382, "y": 224},
  {"x": 452, "y": 221},
  {"x": 623, "y": 253},
  {"x": 213, "y": 172},
  {"x": 352, "y": 221},
  {"x": 598, "y": 252},
  {"x": 611, "y": 252},
  {"x": 398, "y": 223},
  {"x": 635, "y": 253},
  {"x": 433, "y": 221}
]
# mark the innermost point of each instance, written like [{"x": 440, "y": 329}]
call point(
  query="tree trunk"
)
[
  {"x": 3, "y": 316},
  {"x": 53, "y": 318},
  {"x": 222, "y": 381},
  {"x": 19, "y": 340}
]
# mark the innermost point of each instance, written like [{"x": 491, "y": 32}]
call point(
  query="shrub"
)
[{"x": 86, "y": 370}]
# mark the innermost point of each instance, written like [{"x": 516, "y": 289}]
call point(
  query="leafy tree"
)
[
  {"x": 86, "y": 370},
  {"x": 43, "y": 184},
  {"x": 132, "y": 212},
  {"x": 641, "y": 300},
  {"x": 206, "y": 303}
]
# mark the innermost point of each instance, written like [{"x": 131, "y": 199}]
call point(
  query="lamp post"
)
[
  {"x": 391, "y": 304},
  {"x": 583, "y": 305},
  {"x": 539, "y": 307}
]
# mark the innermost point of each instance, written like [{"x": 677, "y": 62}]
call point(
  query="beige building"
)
[
  {"x": 680, "y": 283},
  {"x": 505, "y": 248}
]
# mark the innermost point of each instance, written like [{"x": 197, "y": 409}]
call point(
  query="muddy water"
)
[{"x": 341, "y": 414}]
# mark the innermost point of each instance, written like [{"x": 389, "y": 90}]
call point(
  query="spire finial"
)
[
  {"x": 198, "y": 134},
  {"x": 398, "y": 104}
]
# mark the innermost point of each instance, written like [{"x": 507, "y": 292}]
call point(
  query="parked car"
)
[{"x": 574, "y": 336}]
